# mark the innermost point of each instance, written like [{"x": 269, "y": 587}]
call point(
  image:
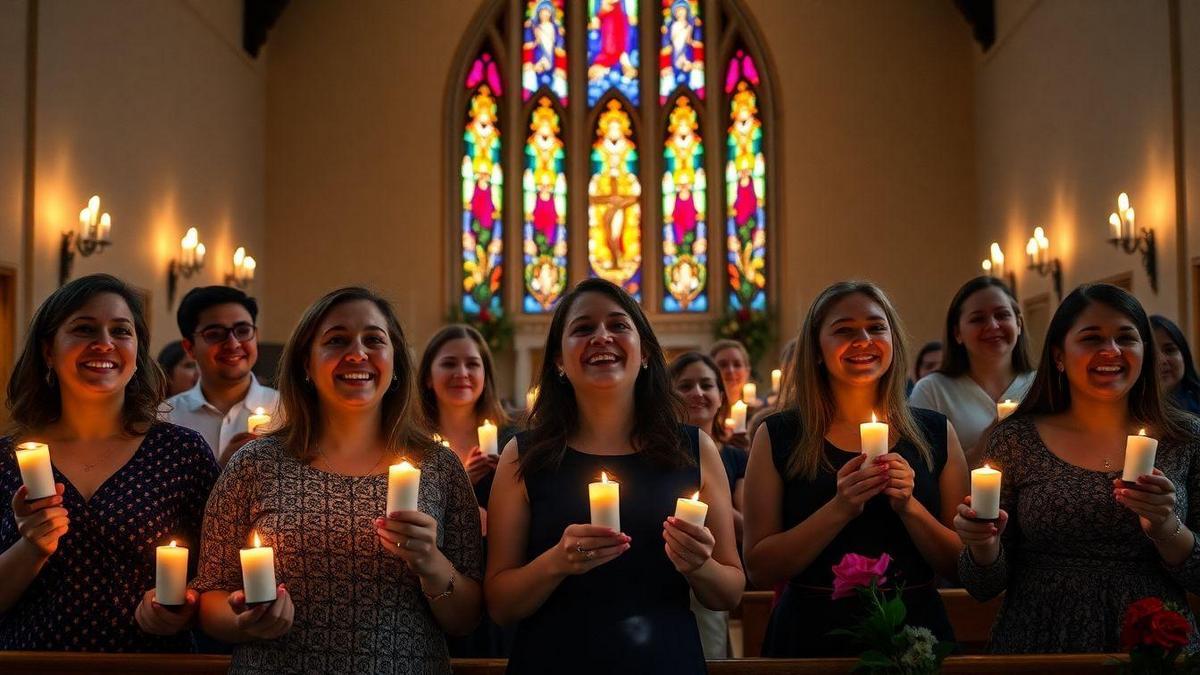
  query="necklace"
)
[{"x": 369, "y": 472}]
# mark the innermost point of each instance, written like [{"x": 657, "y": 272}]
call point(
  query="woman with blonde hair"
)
[
  {"x": 358, "y": 586},
  {"x": 812, "y": 497}
]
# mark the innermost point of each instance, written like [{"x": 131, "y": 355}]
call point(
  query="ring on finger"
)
[{"x": 588, "y": 555}]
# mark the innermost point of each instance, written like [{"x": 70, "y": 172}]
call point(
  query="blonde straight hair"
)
[{"x": 808, "y": 390}]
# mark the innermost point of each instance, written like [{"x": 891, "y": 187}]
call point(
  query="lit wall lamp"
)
[
  {"x": 190, "y": 260},
  {"x": 95, "y": 230},
  {"x": 994, "y": 267},
  {"x": 1123, "y": 234},
  {"x": 1037, "y": 259},
  {"x": 243, "y": 269}
]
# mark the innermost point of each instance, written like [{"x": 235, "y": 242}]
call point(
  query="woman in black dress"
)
[
  {"x": 588, "y": 598},
  {"x": 79, "y": 567},
  {"x": 811, "y": 497},
  {"x": 1176, "y": 369},
  {"x": 1074, "y": 546}
]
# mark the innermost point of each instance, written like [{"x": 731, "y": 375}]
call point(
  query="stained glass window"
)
[
  {"x": 544, "y": 51},
  {"x": 685, "y": 236},
  {"x": 614, "y": 207},
  {"x": 544, "y": 188},
  {"x": 482, "y": 193},
  {"x": 613, "y": 52},
  {"x": 745, "y": 189},
  {"x": 681, "y": 58}
]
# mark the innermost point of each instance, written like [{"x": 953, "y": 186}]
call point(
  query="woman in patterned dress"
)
[
  {"x": 1074, "y": 546},
  {"x": 78, "y": 567},
  {"x": 359, "y": 589}
]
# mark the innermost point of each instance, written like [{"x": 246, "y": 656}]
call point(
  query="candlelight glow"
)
[
  {"x": 874, "y": 419},
  {"x": 172, "y": 544},
  {"x": 1142, "y": 432},
  {"x": 603, "y": 477},
  {"x": 696, "y": 497},
  {"x": 259, "y": 410},
  {"x": 1123, "y": 201},
  {"x": 257, "y": 541},
  {"x": 405, "y": 466}
]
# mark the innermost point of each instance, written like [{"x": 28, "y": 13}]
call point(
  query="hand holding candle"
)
[
  {"x": 33, "y": 460},
  {"x": 258, "y": 572},
  {"x": 404, "y": 481},
  {"x": 488, "y": 444},
  {"x": 259, "y": 422},
  {"x": 1139, "y": 457},
  {"x": 605, "y": 499},
  {"x": 985, "y": 493},
  {"x": 874, "y": 438},
  {"x": 691, "y": 510},
  {"x": 170, "y": 564}
]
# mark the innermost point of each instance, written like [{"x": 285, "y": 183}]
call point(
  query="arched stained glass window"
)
[{"x": 658, "y": 178}]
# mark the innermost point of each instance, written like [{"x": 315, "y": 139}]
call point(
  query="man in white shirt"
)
[{"x": 218, "y": 328}]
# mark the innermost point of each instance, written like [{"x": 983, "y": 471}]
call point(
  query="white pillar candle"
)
[
  {"x": 691, "y": 510},
  {"x": 33, "y": 459},
  {"x": 750, "y": 393},
  {"x": 730, "y": 425},
  {"x": 1005, "y": 408},
  {"x": 170, "y": 574},
  {"x": 776, "y": 376},
  {"x": 1139, "y": 456},
  {"x": 605, "y": 498},
  {"x": 404, "y": 480},
  {"x": 874, "y": 438},
  {"x": 738, "y": 412},
  {"x": 260, "y": 419},
  {"x": 488, "y": 443},
  {"x": 258, "y": 572},
  {"x": 985, "y": 492}
]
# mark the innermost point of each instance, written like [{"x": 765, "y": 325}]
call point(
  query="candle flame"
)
[
  {"x": 873, "y": 418},
  {"x": 257, "y": 541},
  {"x": 405, "y": 466},
  {"x": 172, "y": 544},
  {"x": 488, "y": 423},
  {"x": 603, "y": 477},
  {"x": 696, "y": 497},
  {"x": 1008, "y": 400},
  {"x": 1142, "y": 432},
  {"x": 260, "y": 410}
]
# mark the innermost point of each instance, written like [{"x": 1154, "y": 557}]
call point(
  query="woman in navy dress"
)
[
  {"x": 811, "y": 497},
  {"x": 589, "y": 598},
  {"x": 79, "y": 567}
]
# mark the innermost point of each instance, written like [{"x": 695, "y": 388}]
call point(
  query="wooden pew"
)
[{"x": 156, "y": 664}]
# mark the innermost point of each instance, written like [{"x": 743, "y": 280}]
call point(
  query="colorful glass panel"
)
[
  {"x": 482, "y": 195},
  {"x": 681, "y": 57},
  {"x": 613, "y": 52},
  {"x": 614, "y": 207},
  {"x": 544, "y": 50},
  {"x": 544, "y": 188},
  {"x": 745, "y": 189},
  {"x": 684, "y": 207}
]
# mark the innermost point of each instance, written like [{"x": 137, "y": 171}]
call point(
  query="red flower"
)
[
  {"x": 1137, "y": 621},
  {"x": 1149, "y": 623},
  {"x": 857, "y": 571},
  {"x": 1169, "y": 630}
]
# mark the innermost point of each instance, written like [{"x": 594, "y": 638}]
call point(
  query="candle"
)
[
  {"x": 1115, "y": 221},
  {"x": 605, "y": 498},
  {"x": 776, "y": 376},
  {"x": 33, "y": 459},
  {"x": 874, "y": 437},
  {"x": 258, "y": 572},
  {"x": 487, "y": 439},
  {"x": 1005, "y": 408},
  {"x": 170, "y": 576},
  {"x": 730, "y": 425},
  {"x": 1139, "y": 456},
  {"x": 691, "y": 510},
  {"x": 259, "y": 419},
  {"x": 985, "y": 492},
  {"x": 403, "y": 482},
  {"x": 750, "y": 393},
  {"x": 105, "y": 228},
  {"x": 531, "y": 398},
  {"x": 738, "y": 413}
]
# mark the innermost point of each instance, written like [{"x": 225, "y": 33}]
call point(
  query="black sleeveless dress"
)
[
  {"x": 805, "y": 614},
  {"x": 630, "y": 615}
]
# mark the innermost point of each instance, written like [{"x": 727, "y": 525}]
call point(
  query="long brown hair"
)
[
  {"x": 400, "y": 426},
  {"x": 657, "y": 410},
  {"x": 35, "y": 403},
  {"x": 955, "y": 360},
  {"x": 1051, "y": 393},
  {"x": 488, "y": 406},
  {"x": 808, "y": 390},
  {"x": 677, "y": 367}
]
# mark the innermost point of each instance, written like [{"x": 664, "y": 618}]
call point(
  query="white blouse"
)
[{"x": 964, "y": 402}]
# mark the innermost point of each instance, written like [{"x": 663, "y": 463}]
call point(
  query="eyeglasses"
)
[{"x": 242, "y": 332}]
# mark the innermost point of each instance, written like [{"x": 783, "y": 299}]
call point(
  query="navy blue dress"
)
[
  {"x": 735, "y": 460},
  {"x": 85, "y": 595},
  {"x": 632, "y": 614},
  {"x": 801, "y": 621}
]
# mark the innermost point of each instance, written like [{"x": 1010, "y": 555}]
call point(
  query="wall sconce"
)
[
  {"x": 243, "y": 269},
  {"x": 994, "y": 267},
  {"x": 1037, "y": 257},
  {"x": 95, "y": 230},
  {"x": 1124, "y": 235},
  {"x": 190, "y": 260}
]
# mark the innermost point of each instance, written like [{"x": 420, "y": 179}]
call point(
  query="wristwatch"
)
[{"x": 444, "y": 594}]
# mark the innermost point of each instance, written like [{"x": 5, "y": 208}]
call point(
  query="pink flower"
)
[{"x": 857, "y": 571}]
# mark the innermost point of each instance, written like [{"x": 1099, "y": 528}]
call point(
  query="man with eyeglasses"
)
[{"x": 218, "y": 329}]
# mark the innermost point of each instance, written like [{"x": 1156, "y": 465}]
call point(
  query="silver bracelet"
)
[{"x": 1178, "y": 529}]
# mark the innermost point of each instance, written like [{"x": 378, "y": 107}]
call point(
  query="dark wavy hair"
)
[
  {"x": 35, "y": 403},
  {"x": 657, "y": 410},
  {"x": 1191, "y": 380},
  {"x": 488, "y": 406},
  {"x": 684, "y": 360},
  {"x": 1050, "y": 392},
  {"x": 401, "y": 426},
  {"x": 955, "y": 360}
]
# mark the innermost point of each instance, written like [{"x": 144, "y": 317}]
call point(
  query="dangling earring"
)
[
  {"x": 562, "y": 374},
  {"x": 395, "y": 383},
  {"x": 51, "y": 378},
  {"x": 645, "y": 365}
]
